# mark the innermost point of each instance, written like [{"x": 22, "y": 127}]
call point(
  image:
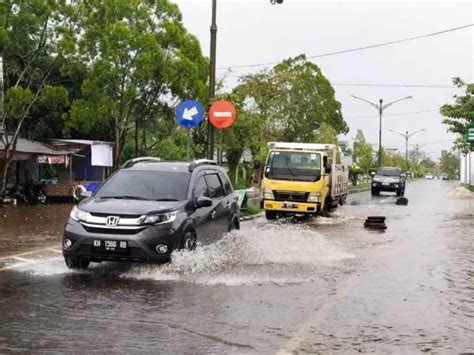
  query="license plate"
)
[
  {"x": 290, "y": 205},
  {"x": 113, "y": 246},
  {"x": 385, "y": 183}
]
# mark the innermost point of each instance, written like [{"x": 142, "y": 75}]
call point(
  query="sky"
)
[{"x": 254, "y": 31}]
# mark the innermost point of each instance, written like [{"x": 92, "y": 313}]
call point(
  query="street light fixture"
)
[
  {"x": 406, "y": 135},
  {"x": 381, "y": 108}
]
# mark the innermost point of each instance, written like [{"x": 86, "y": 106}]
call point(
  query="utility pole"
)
[
  {"x": 212, "y": 79},
  {"x": 212, "y": 74},
  {"x": 2, "y": 128},
  {"x": 406, "y": 136},
  {"x": 381, "y": 108}
]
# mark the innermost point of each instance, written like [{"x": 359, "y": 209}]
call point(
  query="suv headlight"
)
[
  {"x": 79, "y": 215},
  {"x": 268, "y": 194},
  {"x": 159, "y": 218},
  {"x": 314, "y": 197}
]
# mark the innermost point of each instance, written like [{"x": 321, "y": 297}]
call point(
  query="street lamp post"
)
[
  {"x": 380, "y": 108},
  {"x": 406, "y": 136}
]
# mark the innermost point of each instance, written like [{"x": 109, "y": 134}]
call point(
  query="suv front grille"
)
[
  {"x": 291, "y": 196},
  {"x": 105, "y": 215},
  {"x": 112, "y": 230}
]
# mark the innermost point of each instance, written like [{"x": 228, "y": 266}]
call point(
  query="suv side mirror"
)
[
  {"x": 203, "y": 201},
  {"x": 402, "y": 175}
]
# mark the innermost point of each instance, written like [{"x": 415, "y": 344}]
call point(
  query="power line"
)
[
  {"x": 358, "y": 48},
  {"x": 395, "y": 114},
  {"x": 400, "y": 85},
  {"x": 424, "y": 86}
]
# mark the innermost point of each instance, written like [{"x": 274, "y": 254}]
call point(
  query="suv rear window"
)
[{"x": 146, "y": 185}]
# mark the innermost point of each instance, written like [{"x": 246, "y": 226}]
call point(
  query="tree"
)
[
  {"x": 460, "y": 115},
  {"x": 291, "y": 102},
  {"x": 141, "y": 61},
  {"x": 32, "y": 45},
  {"x": 294, "y": 99},
  {"x": 363, "y": 153},
  {"x": 450, "y": 164}
]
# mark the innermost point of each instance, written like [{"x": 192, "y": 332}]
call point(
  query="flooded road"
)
[{"x": 326, "y": 286}]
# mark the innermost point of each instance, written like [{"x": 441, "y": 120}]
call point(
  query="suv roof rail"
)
[
  {"x": 132, "y": 162},
  {"x": 200, "y": 162}
]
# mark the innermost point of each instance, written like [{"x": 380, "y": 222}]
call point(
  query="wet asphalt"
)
[{"x": 323, "y": 286}]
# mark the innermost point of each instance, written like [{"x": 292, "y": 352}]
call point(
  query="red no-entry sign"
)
[{"x": 222, "y": 114}]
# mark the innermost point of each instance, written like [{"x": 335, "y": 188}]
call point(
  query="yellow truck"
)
[{"x": 302, "y": 179}]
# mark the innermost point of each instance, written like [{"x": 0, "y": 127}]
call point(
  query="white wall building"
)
[{"x": 467, "y": 168}]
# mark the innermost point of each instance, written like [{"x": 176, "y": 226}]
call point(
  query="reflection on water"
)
[{"x": 25, "y": 227}]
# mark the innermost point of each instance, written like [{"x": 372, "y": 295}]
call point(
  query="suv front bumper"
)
[
  {"x": 386, "y": 186},
  {"x": 140, "y": 246}
]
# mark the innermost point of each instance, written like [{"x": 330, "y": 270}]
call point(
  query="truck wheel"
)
[
  {"x": 270, "y": 215},
  {"x": 375, "y": 192},
  {"x": 400, "y": 192}
]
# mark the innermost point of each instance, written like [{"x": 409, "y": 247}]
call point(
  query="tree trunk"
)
[{"x": 4, "y": 164}]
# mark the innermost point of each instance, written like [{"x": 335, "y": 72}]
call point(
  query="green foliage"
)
[
  {"x": 460, "y": 115},
  {"x": 292, "y": 102},
  {"x": 363, "y": 153},
  {"x": 450, "y": 165},
  {"x": 142, "y": 61}
]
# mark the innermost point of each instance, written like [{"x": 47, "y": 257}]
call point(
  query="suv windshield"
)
[
  {"x": 146, "y": 185},
  {"x": 296, "y": 166},
  {"x": 389, "y": 172}
]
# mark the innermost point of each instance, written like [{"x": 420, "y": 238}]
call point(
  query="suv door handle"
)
[{"x": 213, "y": 214}]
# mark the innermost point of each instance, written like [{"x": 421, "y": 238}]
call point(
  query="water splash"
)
[{"x": 274, "y": 254}]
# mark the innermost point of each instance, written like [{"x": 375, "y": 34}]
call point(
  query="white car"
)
[{"x": 429, "y": 177}]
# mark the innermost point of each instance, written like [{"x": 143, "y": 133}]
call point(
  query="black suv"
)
[
  {"x": 388, "y": 179},
  {"x": 149, "y": 208}
]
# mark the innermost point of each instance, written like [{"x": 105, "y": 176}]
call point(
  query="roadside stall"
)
[{"x": 84, "y": 169}]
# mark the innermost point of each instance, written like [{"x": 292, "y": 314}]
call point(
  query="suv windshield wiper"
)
[{"x": 125, "y": 197}]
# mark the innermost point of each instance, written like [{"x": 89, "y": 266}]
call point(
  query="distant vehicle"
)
[
  {"x": 302, "y": 179},
  {"x": 149, "y": 208},
  {"x": 388, "y": 179},
  {"x": 445, "y": 176},
  {"x": 429, "y": 176}
]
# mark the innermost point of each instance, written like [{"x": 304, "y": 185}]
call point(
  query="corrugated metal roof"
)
[
  {"x": 79, "y": 141},
  {"x": 32, "y": 147}
]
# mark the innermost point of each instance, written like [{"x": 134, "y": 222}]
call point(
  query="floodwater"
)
[{"x": 324, "y": 286}]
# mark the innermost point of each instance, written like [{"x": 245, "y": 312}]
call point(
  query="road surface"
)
[{"x": 327, "y": 286}]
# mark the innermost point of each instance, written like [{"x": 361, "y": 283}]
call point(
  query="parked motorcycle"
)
[{"x": 30, "y": 192}]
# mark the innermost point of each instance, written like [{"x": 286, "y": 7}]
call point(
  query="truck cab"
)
[{"x": 302, "y": 179}]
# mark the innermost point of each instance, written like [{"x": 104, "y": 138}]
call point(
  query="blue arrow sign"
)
[{"x": 189, "y": 113}]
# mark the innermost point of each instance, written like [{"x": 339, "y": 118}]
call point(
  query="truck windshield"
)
[{"x": 295, "y": 166}]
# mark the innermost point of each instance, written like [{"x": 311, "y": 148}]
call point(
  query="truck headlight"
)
[
  {"x": 268, "y": 194},
  {"x": 159, "y": 218},
  {"x": 79, "y": 215},
  {"x": 314, "y": 197}
]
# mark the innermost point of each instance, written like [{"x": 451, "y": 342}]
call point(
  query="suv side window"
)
[
  {"x": 215, "y": 186},
  {"x": 200, "y": 189},
  {"x": 226, "y": 182}
]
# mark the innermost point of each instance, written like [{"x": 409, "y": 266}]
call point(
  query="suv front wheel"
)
[
  {"x": 77, "y": 263},
  {"x": 189, "y": 241}
]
